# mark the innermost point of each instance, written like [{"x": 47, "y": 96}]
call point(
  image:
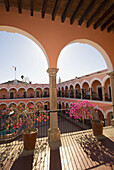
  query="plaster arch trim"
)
[
  {"x": 20, "y": 31},
  {"x": 30, "y": 88},
  {"x": 94, "y": 79},
  {"x": 4, "y": 88},
  {"x": 70, "y": 85},
  {"x": 99, "y": 48},
  {"x": 38, "y": 88},
  {"x": 85, "y": 81},
  {"x": 12, "y": 103},
  {"x": 22, "y": 88},
  {"x": 65, "y": 86},
  {"x": 62, "y": 87},
  {"x": 101, "y": 111},
  {"x": 70, "y": 104},
  {"x": 38, "y": 102},
  {"x": 67, "y": 103},
  {"x": 108, "y": 111},
  {"x": 21, "y": 102},
  {"x": 78, "y": 84},
  {"x": 46, "y": 101},
  {"x": 4, "y": 103},
  {"x": 30, "y": 102},
  {"x": 104, "y": 79},
  {"x": 12, "y": 88},
  {"x": 46, "y": 87}
]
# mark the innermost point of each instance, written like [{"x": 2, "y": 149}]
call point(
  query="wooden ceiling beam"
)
[
  {"x": 7, "y": 5},
  {"x": 88, "y": 9},
  {"x": 111, "y": 28},
  {"x": 44, "y": 8},
  {"x": 96, "y": 13},
  {"x": 65, "y": 12},
  {"x": 19, "y": 2},
  {"x": 55, "y": 9},
  {"x": 103, "y": 16},
  {"x": 72, "y": 19},
  {"x": 107, "y": 22},
  {"x": 32, "y": 7}
]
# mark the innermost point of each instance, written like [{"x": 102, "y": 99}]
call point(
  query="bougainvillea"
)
[
  {"x": 25, "y": 116},
  {"x": 83, "y": 110}
]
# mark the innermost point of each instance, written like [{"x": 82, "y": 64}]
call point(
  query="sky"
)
[{"x": 17, "y": 50}]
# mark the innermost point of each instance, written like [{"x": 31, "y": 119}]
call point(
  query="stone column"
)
[
  {"x": 81, "y": 93},
  {"x": 111, "y": 74},
  {"x": 69, "y": 93},
  {"x": 90, "y": 93},
  {"x": 103, "y": 93},
  {"x": 53, "y": 131},
  {"x": 74, "y": 93}
]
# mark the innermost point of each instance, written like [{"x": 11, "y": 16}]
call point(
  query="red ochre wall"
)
[{"x": 54, "y": 35}]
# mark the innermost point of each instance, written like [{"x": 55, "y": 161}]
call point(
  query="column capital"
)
[
  {"x": 52, "y": 71},
  {"x": 111, "y": 74}
]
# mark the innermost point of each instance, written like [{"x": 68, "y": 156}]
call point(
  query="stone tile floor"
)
[{"x": 79, "y": 151}]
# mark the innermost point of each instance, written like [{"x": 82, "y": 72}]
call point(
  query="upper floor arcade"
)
[
  {"x": 19, "y": 91},
  {"x": 95, "y": 86}
]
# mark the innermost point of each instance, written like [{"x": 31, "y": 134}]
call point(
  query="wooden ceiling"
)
[{"x": 99, "y": 13}]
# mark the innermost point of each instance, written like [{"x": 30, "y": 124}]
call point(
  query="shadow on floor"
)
[
  {"x": 100, "y": 150},
  {"x": 55, "y": 160},
  {"x": 23, "y": 163}
]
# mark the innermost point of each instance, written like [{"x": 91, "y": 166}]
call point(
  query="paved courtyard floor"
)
[{"x": 78, "y": 151}]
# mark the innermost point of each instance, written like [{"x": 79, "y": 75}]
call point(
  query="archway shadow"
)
[
  {"x": 55, "y": 160},
  {"x": 100, "y": 150}
]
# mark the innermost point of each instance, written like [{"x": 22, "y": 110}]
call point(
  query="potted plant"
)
[
  {"x": 24, "y": 117},
  {"x": 86, "y": 110}
]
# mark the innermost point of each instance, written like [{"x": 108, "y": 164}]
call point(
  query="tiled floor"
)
[{"x": 79, "y": 151}]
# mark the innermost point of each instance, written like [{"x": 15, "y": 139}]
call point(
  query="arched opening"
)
[
  {"x": 25, "y": 53},
  {"x": 3, "y": 93},
  {"x": 96, "y": 90},
  {"x": 82, "y": 57},
  {"x": 107, "y": 89},
  {"x": 109, "y": 117},
  {"x": 86, "y": 93},
  {"x": 77, "y": 91},
  {"x": 62, "y": 90}
]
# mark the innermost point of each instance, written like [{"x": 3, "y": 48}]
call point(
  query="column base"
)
[
  {"x": 112, "y": 122},
  {"x": 54, "y": 138}
]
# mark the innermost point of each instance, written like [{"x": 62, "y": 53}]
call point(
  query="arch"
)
[
  {"x": 30, "y": 102},
  {"x": 3, "y": 103},
  {"x": 67, "y": 103},
  {"x": 78, "y": 84},
  {"x": 66, "y": 86},
  {"x": 38, "y": 87},
  {"x": 70, "y": 85},
  {"x": 12, "y": 103},
  {"x": 108, "y": 111},
  {"x": 13, "y": 88},
  {"x": 94, "y": 79},
  {"x": 30, "y": 88},
  {"x": 85, "y": 81},
  {"x": 104, "y": 79},
  {"x": 101, "y": 111},
  {"x": 4, "y": 88},
  {"x": 99, "y": 48},
  {"x": 17, "y": 30},
  {"x": 22, "y": 88},
  {"x": 38, "y": 102},
  {"x": 46, "y": 87},
  {"x": 22, "y": 102}
]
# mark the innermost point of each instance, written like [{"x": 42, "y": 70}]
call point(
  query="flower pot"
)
[
  {"x": 97, "y": 126},
  {"x": 29, "y": 138}
]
